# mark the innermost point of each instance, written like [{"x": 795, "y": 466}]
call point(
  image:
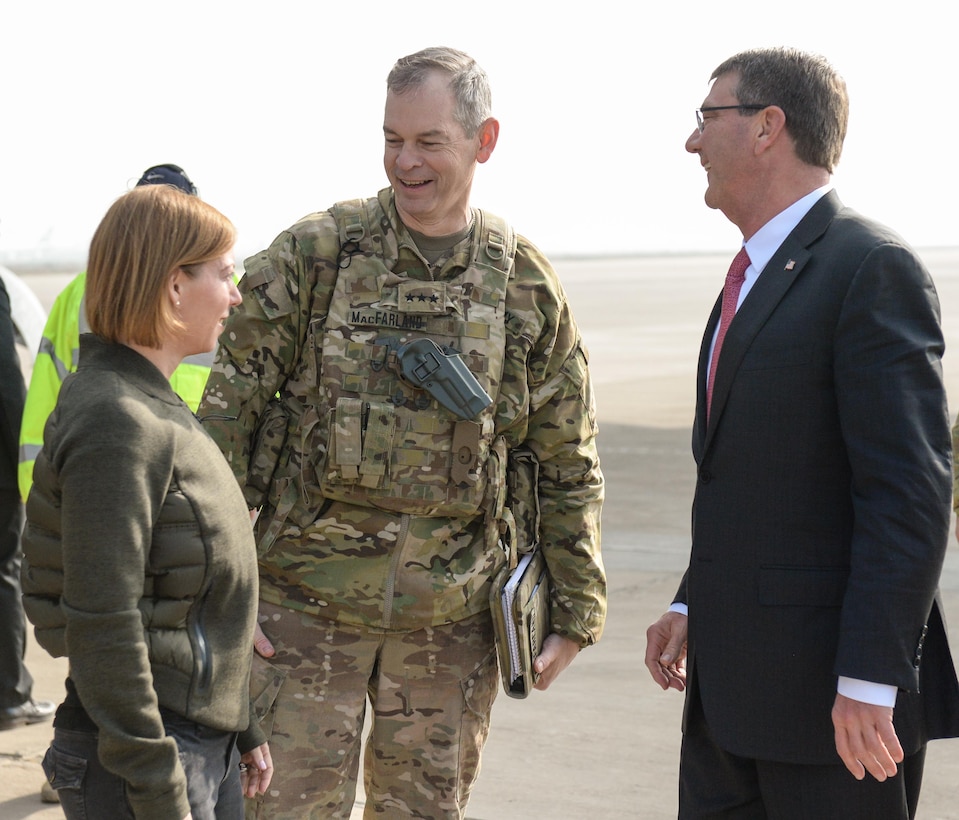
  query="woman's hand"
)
[{"x": 256, "y": 770}]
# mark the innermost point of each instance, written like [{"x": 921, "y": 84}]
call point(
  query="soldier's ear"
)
[{"x": 488, "y": 134}]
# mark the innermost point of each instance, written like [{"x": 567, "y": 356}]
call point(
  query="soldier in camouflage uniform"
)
[{"x": 381, "y": 492}]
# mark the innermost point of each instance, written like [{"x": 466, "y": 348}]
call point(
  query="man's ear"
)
[
  {"x": 487, "y": 135},
  {"x": 771, "y": 124}
]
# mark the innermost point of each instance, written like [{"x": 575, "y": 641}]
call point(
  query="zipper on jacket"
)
[
  {"x": 216, "y": 417},
  {"x": 202, "y": 662}
]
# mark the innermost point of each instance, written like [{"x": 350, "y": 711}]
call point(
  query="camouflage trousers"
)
[{"x": 431, "y": 692}]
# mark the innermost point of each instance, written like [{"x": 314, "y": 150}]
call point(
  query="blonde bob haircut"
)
[{"x": 146, "y": 235}]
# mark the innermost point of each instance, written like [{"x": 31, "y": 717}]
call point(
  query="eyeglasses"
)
[{"x": 700, "y": 122}]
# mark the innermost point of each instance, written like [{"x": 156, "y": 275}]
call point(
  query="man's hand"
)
[
  {"x": 865, "y": 738},
  {"x": 256, "y": 771},
  {"x": 557, "y": 653},
  {"x": 262, "y": 644},
  {"x": 666, "y": 651}
]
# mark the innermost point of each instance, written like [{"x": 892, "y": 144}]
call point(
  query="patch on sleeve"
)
[{"x": 269, "y": 288}]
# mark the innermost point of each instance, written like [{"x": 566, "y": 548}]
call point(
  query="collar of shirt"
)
[{"x": 766, "y": 241}]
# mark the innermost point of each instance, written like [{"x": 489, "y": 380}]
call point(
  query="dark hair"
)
[{"x": 808, "y": 90}]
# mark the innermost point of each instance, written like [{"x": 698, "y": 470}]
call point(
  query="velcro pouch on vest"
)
[
  {"x": 348, "y": 438},
  {"x": 362, "y": 441},
  {"x": 377, "y": 444}
]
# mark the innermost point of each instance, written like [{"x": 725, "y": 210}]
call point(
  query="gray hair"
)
[{"x": 467, "y": 81}]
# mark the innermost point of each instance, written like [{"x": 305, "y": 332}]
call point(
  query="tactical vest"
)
[{"x": 381, "y": 440}]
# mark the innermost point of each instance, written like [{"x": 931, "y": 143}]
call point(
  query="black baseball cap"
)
[{"x": 168, "y": 174}]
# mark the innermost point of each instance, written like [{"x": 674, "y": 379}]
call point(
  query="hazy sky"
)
[{"x": 275, "y": 110}]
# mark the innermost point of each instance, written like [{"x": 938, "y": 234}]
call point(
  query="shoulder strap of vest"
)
[
  {"x": 496, "y": 243},
  {"x": 351, "y": 220},
  {"x": 360, "y": 224}
]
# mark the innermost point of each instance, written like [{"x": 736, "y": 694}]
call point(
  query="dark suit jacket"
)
[
  {"x": 11, "y": 395},
  {"x": 822, "y": 504}
]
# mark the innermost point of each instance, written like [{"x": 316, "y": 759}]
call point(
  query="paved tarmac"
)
[{"x": 603, "y": 742}]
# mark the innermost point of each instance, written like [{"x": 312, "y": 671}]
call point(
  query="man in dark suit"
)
[
  {"x": 807, "y": 632},
  {"x": 17, "y": 707}
]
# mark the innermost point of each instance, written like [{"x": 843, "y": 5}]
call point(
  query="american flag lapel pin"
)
[{"x": 790, "y": 264}]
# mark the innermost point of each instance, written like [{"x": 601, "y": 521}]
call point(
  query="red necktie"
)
[{"x": 734, "y": 283}]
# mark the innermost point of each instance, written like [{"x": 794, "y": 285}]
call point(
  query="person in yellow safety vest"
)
[{"x": 60, "y": 347}]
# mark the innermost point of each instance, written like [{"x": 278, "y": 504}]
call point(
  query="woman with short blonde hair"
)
[
  {"x": 153, "y": 229},
  {"x": 139, "y": 561}
]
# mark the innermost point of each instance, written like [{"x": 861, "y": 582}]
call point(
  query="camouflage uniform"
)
[{"x": 357, "y": 530}]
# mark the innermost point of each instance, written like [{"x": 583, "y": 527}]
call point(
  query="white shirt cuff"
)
[
  {"x": 877, "y": 694},
  {"x": 682, "y": 609}
]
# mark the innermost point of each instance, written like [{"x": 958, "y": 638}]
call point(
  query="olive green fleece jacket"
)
[{"x": 140, "y": 567}]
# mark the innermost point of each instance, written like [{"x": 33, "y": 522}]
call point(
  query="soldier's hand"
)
[
  {"x": 262, "y": 644},
  {"x": 666, "y": 651},
  {"x": 557, "y": 653}
]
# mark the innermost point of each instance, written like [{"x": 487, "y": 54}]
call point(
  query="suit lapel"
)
[
  {"x": 764, "y": 296},
  {"x": 699, "y": 419}
]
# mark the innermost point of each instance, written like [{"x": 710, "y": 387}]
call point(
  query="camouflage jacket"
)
[{"x": 374, "y": 567}]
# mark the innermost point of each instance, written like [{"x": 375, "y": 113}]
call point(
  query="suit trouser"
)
[
  {"x": 431, "y": 691},
  {"x": 15, "y": 680},
  {"x": 714, "y": 783}
]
